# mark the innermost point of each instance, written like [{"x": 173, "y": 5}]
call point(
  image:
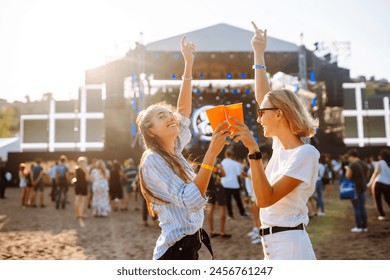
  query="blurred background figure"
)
[
  {"x": 100, "y": 198},
  {"x": 115, "y": 186},
  {"x": 380, "y": 182},
  {"x": 62, "y": 179},
  {"x": 81, "y": 186}
]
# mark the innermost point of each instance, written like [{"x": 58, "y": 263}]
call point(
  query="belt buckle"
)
[{"x": 261, "y": 232}]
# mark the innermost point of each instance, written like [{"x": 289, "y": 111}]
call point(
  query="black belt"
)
[{"x": 266, "y": 231}]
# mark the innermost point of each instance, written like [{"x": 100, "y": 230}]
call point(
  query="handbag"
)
[{"x": 347, "y": 189}]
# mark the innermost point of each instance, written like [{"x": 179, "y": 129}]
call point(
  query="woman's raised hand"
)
[
  {"x": 259, "y": 40},
  {"x": 187, "y": 49}
]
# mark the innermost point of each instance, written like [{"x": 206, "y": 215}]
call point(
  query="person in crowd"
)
[
  {"x": 216, "y": 194},
  {"x": 62, "y": 182},
  {"x": 38, "y": 182},
  {"x": 256, "y": 239},
  {"x": 52, "y": 175},
  {"x": 380, "y": 182},
  {"x": 357, "y": 171},
  {"x": 320, "y": 186},
  {"x": 115, "y": 185},
  {"x": 81, "y": 186},
  {"x": 3, "y": 179},
  {"x": 130, "y": 172},
  {"x": 100, "y": 199},
  {"x": 170, "y": 186},
  {"x": 231, "y": 184},
  {"x": 90, "y": 192},
  {"x": 23, "y": 175},
  {"x": 283, "y": 189}
]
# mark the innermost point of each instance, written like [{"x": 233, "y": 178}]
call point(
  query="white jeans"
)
[{"x": 288, "y": 245}]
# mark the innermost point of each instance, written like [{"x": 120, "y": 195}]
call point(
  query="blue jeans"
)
[
  {"x": 359, "y": 209},
  {"x": 61, "y": 191},
  {"x": 319, "y": 192}
]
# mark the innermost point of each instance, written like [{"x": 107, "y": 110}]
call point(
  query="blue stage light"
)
[
  {"x": 314, "y": 102},
  {"x": 223, "y": 91},
  {"x": 173, "y": 76},
  {"x": 312, "y": 76},
  {"x": 201, "y": 75},
  {"x": 229, "y": 76},
  {"x": 198, "y": 91},
  {"x": 248, "y": 91},
  {"x": 243, "y": 75},
  {"x": 235, "y": 91}
]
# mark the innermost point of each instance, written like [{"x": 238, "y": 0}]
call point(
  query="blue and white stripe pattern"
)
[{"x": 183, "y": 214}]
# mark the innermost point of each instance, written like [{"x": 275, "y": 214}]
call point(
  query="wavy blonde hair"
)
[
  {"x": 144, "y": 123},
  {"x": 297, "y": 115}
]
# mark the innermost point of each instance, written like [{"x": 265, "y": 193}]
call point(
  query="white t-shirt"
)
[
  {"x": 232, "y": 169},
  {"x": 321, "y": 171},
  {"x": 384, "y": 175},
  {"x": 300, "y": 163},
  {"x": 248, "y": 183}
]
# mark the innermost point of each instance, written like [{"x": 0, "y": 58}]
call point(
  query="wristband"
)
[
  {"x": 186, "y": 78},
  {"x": 259, "y": 66},
  {"x": 206, "y": 166}
]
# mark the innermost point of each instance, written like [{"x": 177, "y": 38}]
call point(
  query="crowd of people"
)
[{"x": 102, "y": 186}]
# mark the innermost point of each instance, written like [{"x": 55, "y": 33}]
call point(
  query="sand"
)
[{"x": 50, "y": 234}]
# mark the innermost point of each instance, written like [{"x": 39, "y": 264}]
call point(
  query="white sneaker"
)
[
  {"x": 356, "y": 229},
  {"x": 381, "y": 218},
  {"x": 253, "y": 233},
  {"x": 256, "y": 240}
]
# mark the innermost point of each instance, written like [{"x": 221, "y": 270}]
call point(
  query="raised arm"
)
[
  {"x": 259, "y": 42},
  {"x": 184, "y": 102}
]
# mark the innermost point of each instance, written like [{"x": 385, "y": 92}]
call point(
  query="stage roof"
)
[{"x": 220, "y": 38}]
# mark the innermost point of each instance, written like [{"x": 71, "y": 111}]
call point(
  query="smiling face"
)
[
  {"x": 267, "y": 117},
  {"x": 165, "y": 123}
]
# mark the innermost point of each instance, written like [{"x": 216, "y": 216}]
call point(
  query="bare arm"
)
[
  {"x": 376, "y": 172},
  {"x": 184, "y": 102},
  {"x": 217, "y": 143},
  {"x": 259, "y": 42},
  {"x": 266, "y": 194}
]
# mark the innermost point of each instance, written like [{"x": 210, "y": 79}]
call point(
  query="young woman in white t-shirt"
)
[
  {"x": 380, "y": 182},
  {"x": 283, "y": 189}
]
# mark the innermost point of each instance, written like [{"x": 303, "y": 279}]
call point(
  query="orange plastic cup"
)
[
  {"x": 221, "y": 113},
  {"x": 234, "y": 110},
  {"x": 216, "y": 115}
]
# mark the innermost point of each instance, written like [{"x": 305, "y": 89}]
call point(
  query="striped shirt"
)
[{"x": 183, "y": 214}]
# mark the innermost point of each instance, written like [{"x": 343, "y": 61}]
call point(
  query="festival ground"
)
[{"x": 50, "y": 234}]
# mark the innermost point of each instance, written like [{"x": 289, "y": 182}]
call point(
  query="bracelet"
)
[
  {"x": 186, "y": 78},
  {"x": 259, "y": 66},
  {"x": 206, "y": 166}
]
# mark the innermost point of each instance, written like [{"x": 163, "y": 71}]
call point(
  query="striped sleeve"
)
[
  {"x": 166, "y": 185},
  {"x": 185, "y": 133}
]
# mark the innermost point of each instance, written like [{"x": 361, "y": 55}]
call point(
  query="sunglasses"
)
[{"x": 260, "y": 111}]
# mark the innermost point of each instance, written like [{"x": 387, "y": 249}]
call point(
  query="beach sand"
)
[{"x": 50, "y": 234}]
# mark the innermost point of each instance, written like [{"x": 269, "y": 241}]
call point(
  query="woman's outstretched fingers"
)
[{"x": 254, "y": 26}]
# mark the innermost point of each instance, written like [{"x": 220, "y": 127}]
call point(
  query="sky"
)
[{"x": 46, "y": 45}]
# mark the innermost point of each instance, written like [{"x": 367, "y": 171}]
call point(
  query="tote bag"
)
[{"x": 347, "y": 189}]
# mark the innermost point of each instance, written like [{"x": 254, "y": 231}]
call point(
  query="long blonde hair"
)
[
  {"x": 144, "y": 123},
  {"x": 297, "y": 115}
]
